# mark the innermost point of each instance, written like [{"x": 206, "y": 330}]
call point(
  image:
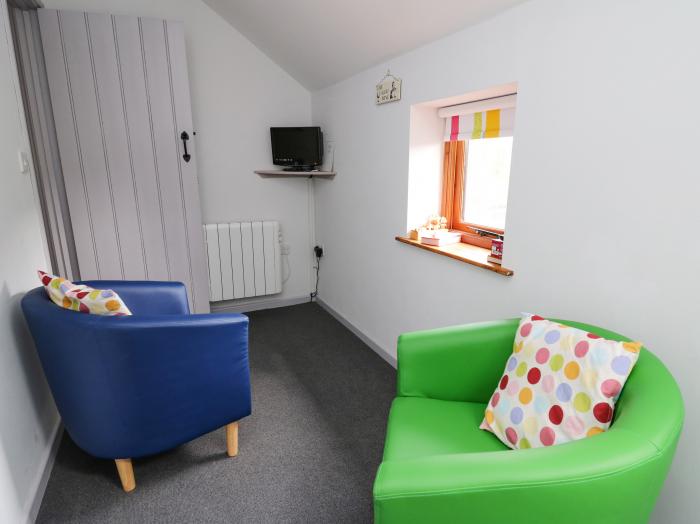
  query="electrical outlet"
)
[
  {"x": 285, "y": 249},
  {"x": 319, "y": 251}
]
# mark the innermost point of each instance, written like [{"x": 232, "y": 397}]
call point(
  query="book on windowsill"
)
[
  {"x": 494, "y": 260},
  {"x": 441, "y": 238}
]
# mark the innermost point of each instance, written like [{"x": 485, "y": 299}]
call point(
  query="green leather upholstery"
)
[{"x": 439, "y": 467}]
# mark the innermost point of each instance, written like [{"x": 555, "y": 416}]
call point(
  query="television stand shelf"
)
[{"x": 279, "y": 173}]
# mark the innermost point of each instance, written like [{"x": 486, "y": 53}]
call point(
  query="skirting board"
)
[
  {"x": 43, "y": 479},
  {"x": 244, "y": 306},
  {"x": 359, "y": 334}
]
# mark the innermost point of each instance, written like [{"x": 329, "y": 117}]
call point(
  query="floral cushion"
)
[
  {"x": 560, "y": 384},
  {"x": 82, "y": 298}
]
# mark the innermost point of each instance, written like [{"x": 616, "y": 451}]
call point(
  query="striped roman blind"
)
[{"x": 481, "y": 119}]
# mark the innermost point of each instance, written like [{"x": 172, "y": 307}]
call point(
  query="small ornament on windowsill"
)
[
  {"x": 435, "y": 233},
  {"x": 388, "y": 89},
  {"x": 435, "y": 223},
  {"x": 496, "y": 256}
]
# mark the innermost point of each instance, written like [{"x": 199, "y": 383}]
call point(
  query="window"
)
[
  {"x": 486, "y": 188},
  {"x": 476, "y": 169},
  {"x": 459, "y": 167}
]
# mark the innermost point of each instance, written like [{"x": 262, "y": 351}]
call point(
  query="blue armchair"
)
[{"x": 132, "y": 386}]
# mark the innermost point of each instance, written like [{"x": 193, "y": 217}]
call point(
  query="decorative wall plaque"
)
[{"x": 389, "y": 89}]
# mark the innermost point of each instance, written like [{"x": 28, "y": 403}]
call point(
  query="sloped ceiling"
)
[{"x": 321, "y": 42}]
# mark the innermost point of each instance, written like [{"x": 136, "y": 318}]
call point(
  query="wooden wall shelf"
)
[{"x": 279, "y": 173}]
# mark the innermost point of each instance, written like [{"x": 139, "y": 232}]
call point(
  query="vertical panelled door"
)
[{"x": 121, "y": 102}]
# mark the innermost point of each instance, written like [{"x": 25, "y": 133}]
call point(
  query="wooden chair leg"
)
[
  {"x": 232, "y": 439},
  {"x": 126, "y": 474}
]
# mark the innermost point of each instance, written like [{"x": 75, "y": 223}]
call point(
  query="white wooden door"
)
[{"x": 121, "y": 102}]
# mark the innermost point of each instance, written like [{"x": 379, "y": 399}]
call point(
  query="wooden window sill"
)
[{"x": 474, "y": 255}]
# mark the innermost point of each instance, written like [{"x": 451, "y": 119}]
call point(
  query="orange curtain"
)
[{"x": 452, "y": 181}]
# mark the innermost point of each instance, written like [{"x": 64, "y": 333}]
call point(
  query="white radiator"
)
[{"x": 244, "y": 259}]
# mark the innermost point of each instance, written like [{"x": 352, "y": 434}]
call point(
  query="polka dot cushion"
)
[
  {"x": 560, "y": 384},
  {"x": 82, "y": 298}
]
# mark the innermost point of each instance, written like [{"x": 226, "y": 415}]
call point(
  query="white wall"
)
[
  {"x": 425, "y": 157},
  {"x": 28, "y": 418},
  {"x": 604, "y": 188},
  {"x": 237, "y": 94}
]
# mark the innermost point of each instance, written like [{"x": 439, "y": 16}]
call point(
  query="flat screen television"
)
[{"x": 297, "y": 148}]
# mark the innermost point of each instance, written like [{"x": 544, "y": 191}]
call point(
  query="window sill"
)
[{"x": 474, "y": 255}]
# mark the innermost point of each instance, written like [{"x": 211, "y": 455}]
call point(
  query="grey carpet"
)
[{"x": 308, "y": 453}]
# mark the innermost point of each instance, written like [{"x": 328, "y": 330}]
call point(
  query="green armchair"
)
[{"x": 438, "y": 466}]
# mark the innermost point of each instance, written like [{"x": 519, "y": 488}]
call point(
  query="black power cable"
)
[{"x": 318, "y": 251}]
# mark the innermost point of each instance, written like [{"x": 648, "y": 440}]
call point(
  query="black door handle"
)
[{"x": 185, "y": 137}]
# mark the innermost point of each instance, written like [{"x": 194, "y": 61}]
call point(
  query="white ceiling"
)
[{"x": 320, "y": 42}]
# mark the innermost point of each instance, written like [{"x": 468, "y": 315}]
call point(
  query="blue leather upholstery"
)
[
  {"x": 147, "y": 298},
  {"x": 136, "y": 385}
]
